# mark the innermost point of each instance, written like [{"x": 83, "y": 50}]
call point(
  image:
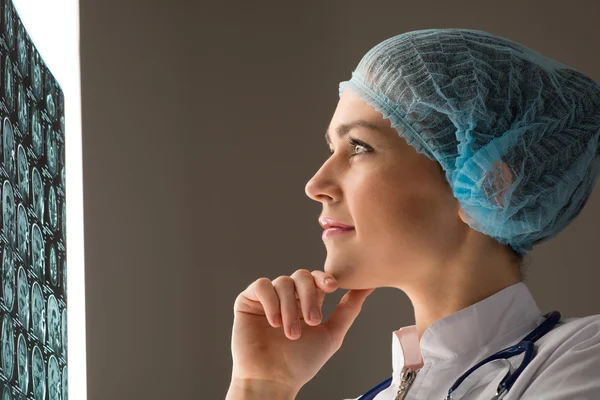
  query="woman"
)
[{"x": 453, "y": 152}]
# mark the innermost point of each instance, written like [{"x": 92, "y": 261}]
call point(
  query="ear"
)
[
  {"x": 497, "y": 183},
  {"x": 463, "y": 215},
  {"x": 500, "y": 179}
]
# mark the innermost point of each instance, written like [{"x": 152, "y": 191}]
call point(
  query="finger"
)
[
  {"x": 327, "y": 287},
  {"x": 285, "y": 289},
  {"x": 345, "y": 313},
  {"x": 264, "y": 291},
  {"x": 249, "y": 292},
  {"x": 309, "y": 298},
  {"x": 259, "y": 298}
]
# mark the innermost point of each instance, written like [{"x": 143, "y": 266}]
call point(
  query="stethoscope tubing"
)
[{"x": 525, "y": 345}]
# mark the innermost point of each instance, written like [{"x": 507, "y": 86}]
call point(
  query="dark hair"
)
[{"x": 522, "y": 262}]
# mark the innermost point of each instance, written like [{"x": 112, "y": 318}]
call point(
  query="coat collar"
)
[{"x": 511, "y": 309}]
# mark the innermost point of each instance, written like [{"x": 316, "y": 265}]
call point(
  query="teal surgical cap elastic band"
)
[{"x": 515, "y": 132}]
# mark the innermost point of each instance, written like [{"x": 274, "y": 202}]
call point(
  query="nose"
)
[{"x": 322, "y": 186}]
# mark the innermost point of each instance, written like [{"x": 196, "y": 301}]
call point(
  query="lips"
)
[{"x": 327, "y": 223}]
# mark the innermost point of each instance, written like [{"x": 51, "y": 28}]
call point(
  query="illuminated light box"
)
[{"x": 42, "y": 319}]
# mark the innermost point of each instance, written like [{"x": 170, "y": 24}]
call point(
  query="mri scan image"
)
[
  {"x": 51, "y": 151},
  {"x": 37, "y": 193},
  {"x": 53, "y": 324},
  {"x": 36, "y": 132},
  {"x": 38, "y": 374},
  {"x": 52, "y": 208},
  {"x": 8, "y": 346},
  {"x": 23, "y": 298},
  {"x": 8, "y": 24},
  {"x": 23, "y": 172},
  {"x": 9, "y": 82},
  {"x": 8, "y": 279},
  {"x": 64, "y": 383},
  {"x": 54, "y": 383},
  {"x": 8, "y": 147},
  {"x": 9, "y": 217},
  {"x": 33, "y": 247},
  {"x": 22, "y": 51},
  {"x": 22, "y": 232},
  {"x": 38, "y": 313},
  {"x": 23, "y": 109},
  {"x": 63, "y": 331},
  {"x": 6, "y": 393},
  {"x": 50, "y": 105},
  {"x": 53, "y": 267},
  {"x": 22, "y": 363},
  {"x": 36, "y": 75},
  {"x": 37, "y": 252}
]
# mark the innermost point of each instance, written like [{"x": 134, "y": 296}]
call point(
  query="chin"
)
[{"x": 348, "y": 275}]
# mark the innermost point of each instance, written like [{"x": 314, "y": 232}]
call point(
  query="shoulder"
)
[
  {"x": 571, "y": 335},
  {"x": 568, "y": 361},
  {"x": 573, "y": 331}
]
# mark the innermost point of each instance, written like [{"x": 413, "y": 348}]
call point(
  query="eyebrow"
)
[{"x": 343, "y": 129}]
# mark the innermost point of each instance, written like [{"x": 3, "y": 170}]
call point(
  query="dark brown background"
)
[{"x": 202, "y": 122}]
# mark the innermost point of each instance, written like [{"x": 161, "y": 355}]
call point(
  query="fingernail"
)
[
  {"x": 277, "y": 319},
  {"x": 314, "y": 314},
  {"x": 295, "y": 329},
  {"x": 330, "y": 281}
]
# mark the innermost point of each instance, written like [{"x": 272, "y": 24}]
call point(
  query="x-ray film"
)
[{"x": 33, "y": 314}]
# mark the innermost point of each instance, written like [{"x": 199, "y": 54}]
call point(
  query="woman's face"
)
[{"x": 404, "y": 213}]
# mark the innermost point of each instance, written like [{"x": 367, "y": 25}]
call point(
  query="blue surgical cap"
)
[{"x": 515, "y": 132}]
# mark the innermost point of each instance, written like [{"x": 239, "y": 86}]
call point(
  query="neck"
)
[{"x": 458, "y": 288}]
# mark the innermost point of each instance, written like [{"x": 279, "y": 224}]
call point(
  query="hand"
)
[{"x": 267, "y": 349}]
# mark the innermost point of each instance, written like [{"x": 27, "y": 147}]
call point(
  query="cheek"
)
[{"x": 397, "y": 209}]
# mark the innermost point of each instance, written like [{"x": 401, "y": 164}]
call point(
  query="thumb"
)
[{"x": 345, "y": 313}]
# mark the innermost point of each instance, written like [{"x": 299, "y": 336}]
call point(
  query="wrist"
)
[{"x": 250, "y": 389}]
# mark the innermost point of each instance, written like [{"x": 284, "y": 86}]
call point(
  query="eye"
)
[
  {"x": 354, "y": 143},
  {"x": 358, "y": 143}
]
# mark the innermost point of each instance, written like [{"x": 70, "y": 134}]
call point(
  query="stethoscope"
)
[{"x": 459, "y": 388}]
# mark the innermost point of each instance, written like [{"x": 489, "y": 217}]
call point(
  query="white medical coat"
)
[{"x": 566, "y": 364}]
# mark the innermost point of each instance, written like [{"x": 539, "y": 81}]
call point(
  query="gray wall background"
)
[{"x": 202, "y": 122}]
